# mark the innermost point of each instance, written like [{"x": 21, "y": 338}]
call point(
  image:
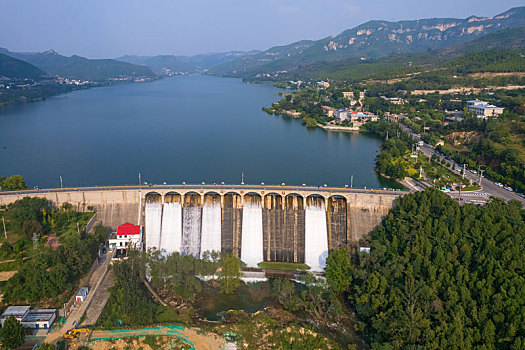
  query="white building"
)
[
  {"x": 341, "y": 114},
  {"x": 127, "y": 235},
  {"x": 39, "y": 318},
  {"x": 82, "y": 294},
  {"x": 483, "y": 109},
  {"x": 17, "y": 311},
  {"x": 36, "y": 319}
]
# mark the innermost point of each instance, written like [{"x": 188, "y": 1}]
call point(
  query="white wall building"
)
[
  {"x": 127, "y": 235},
  {"x": 483, "y": 109},
  {"x": 39, "y": 318},
  {"x": 36, "y": 319}
]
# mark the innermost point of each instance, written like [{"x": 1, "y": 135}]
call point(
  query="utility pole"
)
[
  {"x": 480, "y": 176},
  {"x": 464, "y": 169},
  {"x": 5, "y": 232}
]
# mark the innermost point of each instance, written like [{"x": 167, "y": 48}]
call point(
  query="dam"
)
[{"x": 256, "y": 223}]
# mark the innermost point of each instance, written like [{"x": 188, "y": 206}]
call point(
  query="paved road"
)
[
  {"x": 74, "y": 317},
  {"x": 487, "y": 185},
  {"x": 99, "y": 300},
  {"x": 210, "y": 187}
]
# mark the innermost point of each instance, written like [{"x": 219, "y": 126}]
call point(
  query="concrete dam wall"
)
[{"x": 256, "y": 223}]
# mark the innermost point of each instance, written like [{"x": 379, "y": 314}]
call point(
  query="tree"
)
[
  {"x": 15, "y": 182},
  {"x": 32, "y": 226},
  {"x": 230, "y": 275},
  {"x": 338, "y": 271},
  {"x": 12, "y": 333},
  {"x": 46, "y": 346}
]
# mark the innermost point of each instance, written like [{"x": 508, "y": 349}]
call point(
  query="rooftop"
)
[
  {"x": 128, "y": 229},
  {"x": 17, "y": 311},
  {"x": 40, "y": 315}
]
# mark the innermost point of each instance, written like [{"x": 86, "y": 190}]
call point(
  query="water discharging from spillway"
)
[
  {"x": 316, "y": 236},
  {"x": 171, "y": 232},
  {"x": 191, "y": 226},
  {"x": 211, "y": 224},
  {"x": 252, "y": 231},
  {"x": 153, "y": 212}
]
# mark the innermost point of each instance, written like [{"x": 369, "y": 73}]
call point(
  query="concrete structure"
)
[
  {"x": 39, "y": 318},
  {"x": 82, "y": 294},
  {"x": 19, "y": 312},
  {"x": 350, "y": 213},
  {"x": 483, "y": 109}
]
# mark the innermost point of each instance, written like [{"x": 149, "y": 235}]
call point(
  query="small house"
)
[{"x": 82, "y": 294}]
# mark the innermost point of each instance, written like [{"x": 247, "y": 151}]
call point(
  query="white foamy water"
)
[
  {"x": 153, "y": 213},
  {"x": 211, "y": 227},
  {"x": 252, "y": 234},
  {"x": 316, "y": 237},
  {"x": 191, "y": 231},
  {"x": 171, "y": 231}
]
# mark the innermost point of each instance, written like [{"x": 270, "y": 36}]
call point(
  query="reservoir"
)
[{"x": 186, "y": 128}]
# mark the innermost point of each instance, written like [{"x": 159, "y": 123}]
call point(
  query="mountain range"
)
[
  {"x": 372, "y": 40},
  {"x": 185, "y": 64},
  {"x": 81, "y": 68},
  {"x": 372, "y": 46}
]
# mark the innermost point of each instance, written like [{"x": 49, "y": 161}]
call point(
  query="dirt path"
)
[
  {"x": 5, "y": 275},
  {"x": 190, "y": 336}
]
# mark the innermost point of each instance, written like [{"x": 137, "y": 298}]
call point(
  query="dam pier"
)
[{"x": 256, "y": 223}]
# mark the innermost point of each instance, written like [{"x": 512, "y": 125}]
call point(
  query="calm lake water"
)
[{"x": 192, "y": 128}]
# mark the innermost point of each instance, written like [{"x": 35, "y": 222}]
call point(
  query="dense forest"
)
[{"x": 442, "y": 276}]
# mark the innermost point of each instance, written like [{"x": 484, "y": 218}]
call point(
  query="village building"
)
[
  {"x": 329, "y": 111},
  {"x": 483, "y": 109}
]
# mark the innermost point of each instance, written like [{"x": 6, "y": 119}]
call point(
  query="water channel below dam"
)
[{"x": 187, "y": 128}]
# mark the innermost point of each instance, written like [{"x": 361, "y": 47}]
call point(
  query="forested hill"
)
[
  {"x": 12, "y": 68},
  {"x": 373, "y": 40},
  {"x": 81, "y": 68},
  {"x": 443, "y": 276},
  {"x": 499, "y": 52}
]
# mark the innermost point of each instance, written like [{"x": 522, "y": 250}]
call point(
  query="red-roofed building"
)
[
  {"x": 127, "y": 235},
  {"x": 129, "y": 229}
]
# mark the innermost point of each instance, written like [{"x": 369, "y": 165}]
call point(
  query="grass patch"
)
[{"x": 283, "y": 266}]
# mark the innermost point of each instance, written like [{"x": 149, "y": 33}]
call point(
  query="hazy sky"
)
[{"x": 111, "y": 28}]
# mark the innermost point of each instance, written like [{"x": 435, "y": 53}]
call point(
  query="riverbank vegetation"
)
[{"x": 274, "y": 314}]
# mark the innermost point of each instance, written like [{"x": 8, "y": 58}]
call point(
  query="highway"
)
[{"x": 487, "y": 185}]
